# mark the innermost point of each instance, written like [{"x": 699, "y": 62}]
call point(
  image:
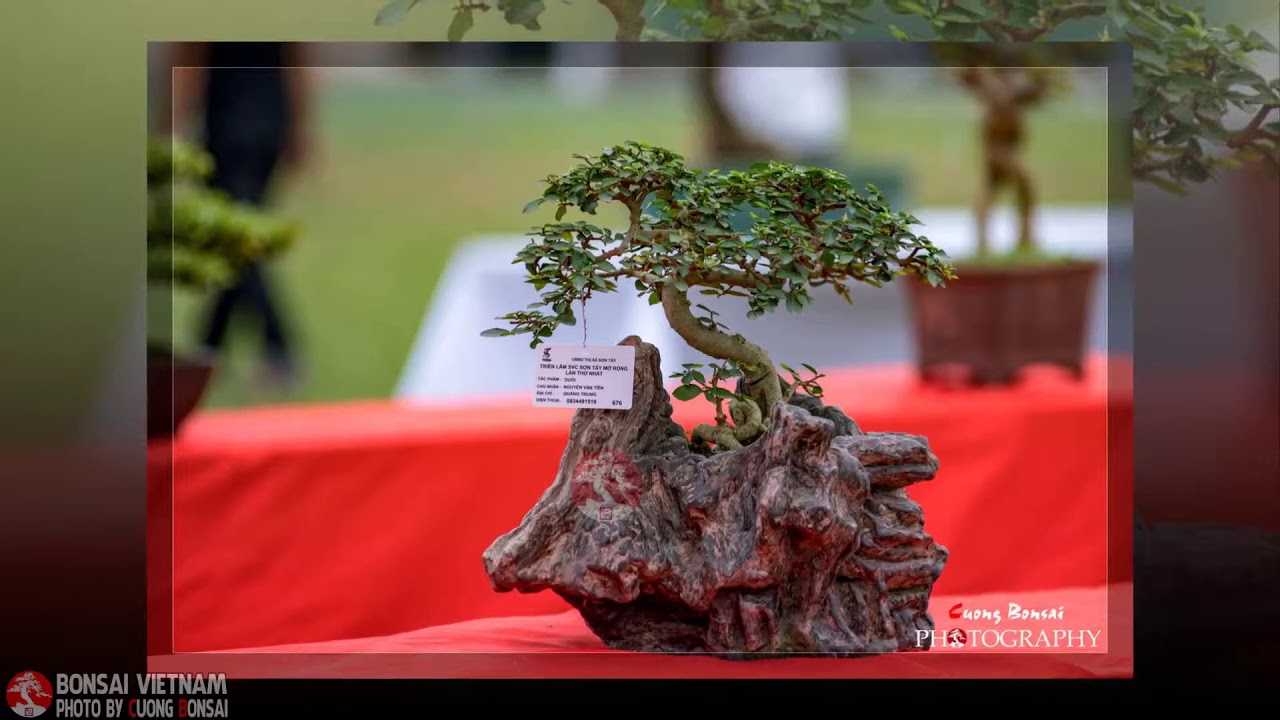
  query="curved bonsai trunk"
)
[{"x": 761, "y": 377}]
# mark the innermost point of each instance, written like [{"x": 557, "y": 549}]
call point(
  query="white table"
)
[{"x": 451, "y": 361}]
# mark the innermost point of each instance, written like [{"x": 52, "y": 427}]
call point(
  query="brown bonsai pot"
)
[
  {"x": 991, "y": 321},
  {"x": 175, "y": 387}
]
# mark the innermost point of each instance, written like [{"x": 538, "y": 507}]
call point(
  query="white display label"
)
[{"x": 595, "y": 376}]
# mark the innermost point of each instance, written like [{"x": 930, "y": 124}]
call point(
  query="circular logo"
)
[
  {"x": 956, "y": 637},
  {"x": 606, "y": 486},
  {"x": 29, "y": 694}
]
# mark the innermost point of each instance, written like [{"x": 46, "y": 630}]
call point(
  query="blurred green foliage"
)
[
  {"x": 1190, "y": 75},
  {"x": 198, "y": 238},
  {"x": 810, "y": 227}
]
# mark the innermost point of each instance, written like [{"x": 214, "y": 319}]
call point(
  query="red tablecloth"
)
[
  {"x": 313, "y": 523},
  {"x": 560, "y": 646}
]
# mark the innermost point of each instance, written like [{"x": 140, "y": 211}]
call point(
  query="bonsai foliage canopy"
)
[
  {"x": 197, "y": 237},
  {"x": 811, "y": 228},
  {"x": 1189, "y": 76}
]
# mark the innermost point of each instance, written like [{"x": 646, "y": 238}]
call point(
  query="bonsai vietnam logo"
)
[
  {"x": 29, "y": 694},
  {"x": 606, "y": 486}
]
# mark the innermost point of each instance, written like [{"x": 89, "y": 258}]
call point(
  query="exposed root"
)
[{"x": 722, "y": 437}]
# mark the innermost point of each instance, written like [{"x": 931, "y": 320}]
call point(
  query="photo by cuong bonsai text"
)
[
  {"x": 198, "y": 240},
  {"x": 779, "y": 527}
]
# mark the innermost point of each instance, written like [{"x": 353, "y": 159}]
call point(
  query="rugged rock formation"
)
[{"x": 803, "y": 542}]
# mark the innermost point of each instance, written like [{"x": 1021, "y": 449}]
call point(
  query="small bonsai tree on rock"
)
[
  {"x": 778, "y": 528},
  {"x": 811, "y": 229}
]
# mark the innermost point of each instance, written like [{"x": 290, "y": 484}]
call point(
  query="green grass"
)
[{"x": 409, "y": 168}]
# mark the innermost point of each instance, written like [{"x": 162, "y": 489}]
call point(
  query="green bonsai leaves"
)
[
  {"x": 809, "y": 228},
  {"x": 198, "y": 238}
]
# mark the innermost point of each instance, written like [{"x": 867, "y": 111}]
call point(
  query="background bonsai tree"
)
[
  {"x": 1189, "y": 76},
  {"x": 1006, "y": 94},
  {"x": 197, "y": 238},
  {"x": 810, "y": 228}
]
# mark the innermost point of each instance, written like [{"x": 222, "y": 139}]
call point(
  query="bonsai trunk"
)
[
  {"x": 1004, "y": 97},
  {"x": 629, "y": 17},
  {"x": 1004, "y": 168},
  {"x": 761, "y": 379}
]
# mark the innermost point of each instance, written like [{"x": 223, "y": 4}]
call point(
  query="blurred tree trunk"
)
[{"x": 724, "y": 136}]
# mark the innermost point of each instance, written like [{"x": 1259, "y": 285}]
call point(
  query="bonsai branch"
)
[
  {"x": 1002, "y": 29},
  {"x": 1254, "y": 130}
]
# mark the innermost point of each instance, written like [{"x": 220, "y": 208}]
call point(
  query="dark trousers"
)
[{"x": 245, "y": 174}]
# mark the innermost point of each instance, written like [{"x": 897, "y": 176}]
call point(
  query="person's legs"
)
[
  {"x": 219, "y": 319},
  {"x": 245, "y": 175},
  {"x": 258, "y": 295}
]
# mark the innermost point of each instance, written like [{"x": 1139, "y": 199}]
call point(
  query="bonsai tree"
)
[
  {"x": 197, "y": 238},
  {"x": 1189, "y": 76},
  {"x": 810, "y": 228},
  {"x": 25, "y": 685}
]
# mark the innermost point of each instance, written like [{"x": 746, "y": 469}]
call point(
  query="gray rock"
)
[{"x": 804, "y": 542}]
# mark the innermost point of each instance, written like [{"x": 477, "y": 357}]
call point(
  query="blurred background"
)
[
  {"x": 1206, "y": 321},
  {"x": 411, "y": 193}
]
